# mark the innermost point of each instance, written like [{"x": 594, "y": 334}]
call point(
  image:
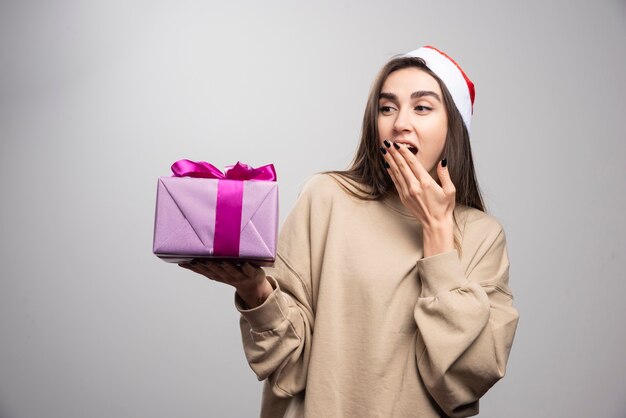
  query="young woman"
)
[{"x": 389, "y": 296}]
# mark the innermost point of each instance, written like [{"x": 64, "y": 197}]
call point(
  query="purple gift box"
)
[{"x": 204, "y": 213}]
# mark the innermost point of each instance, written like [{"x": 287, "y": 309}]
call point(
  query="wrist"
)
[
  {"x": 256, "y": 295},
  {"x": 438, "y": 238}
]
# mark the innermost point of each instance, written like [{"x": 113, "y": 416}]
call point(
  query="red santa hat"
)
[{"x": 458, "y": 84}]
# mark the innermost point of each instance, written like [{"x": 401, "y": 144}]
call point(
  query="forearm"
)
[
  {"x": 466, "y": 340},
  {"x": 276, "y": 337},
  {"x": 466, "y": 320},
  {"x": 438, "y": 238}
]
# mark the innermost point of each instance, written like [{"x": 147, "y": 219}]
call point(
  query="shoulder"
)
[
  {"x": 326, "y": 186},
  {"x": 320, "y": 198},
  {"x": 478, "y": 227},
  {"x": 318, "y": 182}
]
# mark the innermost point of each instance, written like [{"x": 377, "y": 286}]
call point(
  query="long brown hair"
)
[{"x": 367, "y": 170}]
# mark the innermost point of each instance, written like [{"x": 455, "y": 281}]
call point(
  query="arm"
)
[
  {"x": 277, "y": 333},
  {"x": 466, "y": 321}
]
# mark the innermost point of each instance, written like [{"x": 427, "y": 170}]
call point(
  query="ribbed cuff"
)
[
  {"x": 268, "y": 315},
  {"x": 441, "y": 273}
]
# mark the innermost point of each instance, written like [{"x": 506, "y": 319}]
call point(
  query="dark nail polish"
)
[
  {"x": 444, "y": 162},
  {"x": 386, "y": 164},
  {"x": 396, "y": 145},
  {"x": 387, "y": 143},
  {"x": 383, "y": 150}
]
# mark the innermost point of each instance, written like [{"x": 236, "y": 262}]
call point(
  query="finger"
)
[
  {"x": 197, "y": 268},
  {"x": 444, "y": 177},
  {"x": 186, "y": 264},
  {"x": 208, "y": 268},
  {"x": 413, "y": 164},
  {"x": 213, "y": 265},
  {"x": 392, "y": 169},
  {"x": 232, "y": 270},
  {"x": 403, "y": 173}
]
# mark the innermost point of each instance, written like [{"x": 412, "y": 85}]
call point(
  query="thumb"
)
[{"x": 444, "y": 177}]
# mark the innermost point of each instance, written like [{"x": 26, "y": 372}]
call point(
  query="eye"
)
[
  {"x": 386, "y": 110},
  {"x": 422, "y": 108}
]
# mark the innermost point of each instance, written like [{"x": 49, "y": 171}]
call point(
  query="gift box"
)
[{"x": 204, "y": 213}]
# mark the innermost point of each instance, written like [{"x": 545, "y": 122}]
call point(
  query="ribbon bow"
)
[{"x": 239, "y": 171}]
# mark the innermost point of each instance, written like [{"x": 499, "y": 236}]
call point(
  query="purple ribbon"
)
[{"x": 229, "y": 197}]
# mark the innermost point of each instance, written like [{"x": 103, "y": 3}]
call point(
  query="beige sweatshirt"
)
[{"x": 361, "y": 325}]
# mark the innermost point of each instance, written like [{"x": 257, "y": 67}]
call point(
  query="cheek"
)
[
  {"x": 431, "y": 150},
  {"x": 436, "y": 135}
]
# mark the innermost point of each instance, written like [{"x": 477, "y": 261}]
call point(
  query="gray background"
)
[{"x": 97, "y": 99}]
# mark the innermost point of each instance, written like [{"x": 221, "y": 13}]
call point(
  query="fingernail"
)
[
  {"x": 444, "y": 162},
  {"x": 396, "y": 146},
  {"x": 383, "y": 150},
  {"x": 386, "y": 164},
  {"x": 387, "y": 143}
]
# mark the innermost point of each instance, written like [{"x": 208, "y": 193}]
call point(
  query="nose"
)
[{"x": 402, "y": 121}]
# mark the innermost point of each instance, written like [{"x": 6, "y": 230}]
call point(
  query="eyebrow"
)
[{"x": 414, "y": 95}]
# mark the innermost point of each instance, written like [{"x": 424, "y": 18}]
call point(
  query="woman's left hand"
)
[{"x": 431, "y": 204}]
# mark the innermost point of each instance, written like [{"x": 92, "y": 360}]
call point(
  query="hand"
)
[
  {"x": 249, "y": 280},
  {"x": 431, "y": 204}
]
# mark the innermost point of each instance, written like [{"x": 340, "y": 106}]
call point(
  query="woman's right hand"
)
[{"x": 249, "y": 280}]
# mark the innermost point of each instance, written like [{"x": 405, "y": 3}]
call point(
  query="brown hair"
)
[{"x": 373, "y": 181}]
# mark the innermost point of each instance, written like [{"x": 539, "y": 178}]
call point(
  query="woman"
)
[{"x": 389, "y": 296}]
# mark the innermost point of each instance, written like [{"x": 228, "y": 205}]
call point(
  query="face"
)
[{"x": 411, "y": 112}]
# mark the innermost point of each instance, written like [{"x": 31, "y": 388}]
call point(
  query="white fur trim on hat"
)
[{"x": 458, "y": 84}]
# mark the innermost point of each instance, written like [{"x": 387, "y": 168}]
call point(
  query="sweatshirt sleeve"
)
[
  {"x": 466, "y": 320},
  {"x": 277, "y": 334}
]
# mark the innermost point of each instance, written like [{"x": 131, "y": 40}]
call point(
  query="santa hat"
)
[{"x": 458, "y": 84}]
